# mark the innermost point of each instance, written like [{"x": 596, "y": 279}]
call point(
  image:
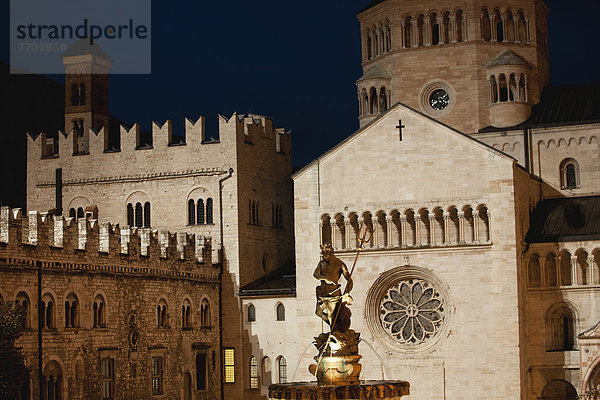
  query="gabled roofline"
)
[{"x": 379, "y": 118}]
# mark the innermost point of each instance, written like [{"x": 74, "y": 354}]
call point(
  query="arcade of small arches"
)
[
  {"x": 374, "y": 101},
  {"x": 422, "y": 228},
  {"x": 434, "y": 28},
  {"x": 511, "y": 89},
  {"x": 200, "y": 212},
  {"x": 378, "y": 40},
  {"x": 265, "y": 371},
  {"x": 504, "y": 25},
  {"x": 186, "y": 322},
  {"x": 137, "y": 215},
  {"x": 582, "y": 268}
]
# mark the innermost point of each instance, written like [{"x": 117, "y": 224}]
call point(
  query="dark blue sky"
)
[{"x": 294, "y": 61}]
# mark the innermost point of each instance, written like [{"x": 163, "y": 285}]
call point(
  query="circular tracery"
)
[
  {"x": 408, "y": 309},
  {"x": 412, "y": 311}
]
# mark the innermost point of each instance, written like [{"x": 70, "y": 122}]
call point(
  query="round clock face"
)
[{"x": 439, "y": 99}]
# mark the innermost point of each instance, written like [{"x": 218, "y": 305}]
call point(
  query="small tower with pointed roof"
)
[{"x": 86, "y": 91}]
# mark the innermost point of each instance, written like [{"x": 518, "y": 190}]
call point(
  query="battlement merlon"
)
[
  {"x": 239, "y": 127},
  {"x": 44, "y": 235}
]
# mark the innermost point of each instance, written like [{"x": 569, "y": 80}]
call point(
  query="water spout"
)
[
  {"x": 378, "y": 356},
  {"x": 300, "y": 360}
]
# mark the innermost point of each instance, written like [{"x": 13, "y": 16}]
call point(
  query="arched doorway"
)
[
  {"x": 558, "y": 389},
  {"x": 187, "y": 386}
]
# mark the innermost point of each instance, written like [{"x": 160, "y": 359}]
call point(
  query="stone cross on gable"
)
[{"x": 399, "y": 127}]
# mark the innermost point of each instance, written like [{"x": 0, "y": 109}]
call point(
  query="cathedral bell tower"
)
[
  {"x": 470, "y": 64},
  {"x": 86, "y": 92}
]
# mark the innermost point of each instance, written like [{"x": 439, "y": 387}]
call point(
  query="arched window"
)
[
  {"x": 191, "y": 212},
  {"x": 138, "y": 215},
  {"x": 80, "y": 213},
  {"x": 369, "y": 46},
  {"x": 82, "y": 94},
  {"x": 486, "y": 25},
  {"x": 558, "y": 389},
  {"x": 130, "y": 219},
  {"x": 251, "y": 313},
  {"x": 550, "y": 272},
  {"x": 435, "y": 29},
  {"x": 200, "y": 212},
  {"x": 23, "y": 301},
  {"x": 522, "y": 96},
  {"x": 407, "y": 31},
  {"x": 534, "y": 273},
  {"x": 503, "y": 88},
  {"x": 566, "y": 276},
  {"x": 253, "y": 373},
  {"x": 560, "y": 325},
  {"x": 282, "y": 367},
  {"x": 205, "y": 313},
  {"x": 373, "y": 101},
  {"x": 161, "y": 314},
  {"x": 383, "y": 103},
  {"x": 147, "y": 215},
  {"x": 280, "y": 312},
  {"x": 99, "y": 308},
  {"x": 325, "y": 229},
  {"x": 73, "y": 213},
  {"x": 47, "y": 311},
  {"x": 420, "y": 30},
  {"x": 483, "y": 224},
  {"x": 71, "y": 311},
  {"x": 186, "y": 314},
  {"x": 209, "y": 211},
  {"x": 569, "y": 174},
  {"x": 74, "y": 95},
  {"x": 522, "y": 27},
  {"x": 512, "y": 87},
  {"x": 499, "y": 26},
  {"x": 510, "y": 26},
  {"x": 52, "y": 382},
  {"x": 459, "y": 25}
]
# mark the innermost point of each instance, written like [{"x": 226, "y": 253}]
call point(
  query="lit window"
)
[
  {"x": 253, "y": 373},
  {"x": 229, "y": 365}
]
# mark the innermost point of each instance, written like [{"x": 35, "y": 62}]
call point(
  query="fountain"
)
[{"x": 337, "y": 365}]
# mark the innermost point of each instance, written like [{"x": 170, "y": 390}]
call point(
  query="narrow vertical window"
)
[
  {"x": 157, "y": 376},
  {"x": 72, "y": 213},
  {"x": 191, "y": 212},
  {"x": 280, "y": 312},
  {"x": 253, "y": 373},
  {"x": 282, "y": 370},
  {"x": 138, "y": 215},
  {"x": 201, "y": 371},
  {"x": 80, "y": 213},
  {"x": 209, "y": 211},
  {"x": 130, "y": 219},
  {"x": 147, "y": 215},
  {"x": 229, "y": 372},
  {"x": 200, "y": 213},
  {"x": 251, "y": 313},
  {"x": 108, "y": 379}
]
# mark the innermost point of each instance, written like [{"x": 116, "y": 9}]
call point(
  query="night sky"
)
[{"x": 296, "y": 62}]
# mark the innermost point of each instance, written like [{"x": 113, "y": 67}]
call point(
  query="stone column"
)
[
  {"x": 417, "y": 230},
  {"x": 476, "y": 226},
  {"x": 334, "y": 233},
  {"x": 527, "y": 35},
  {"x": 464, "y": 27},
  {"x": 415, "y": 38},
  {"x": 403, "y": 242},
  {"x": 574, "y": 275},
  {"x": 461, "y": 227},
  {"x": 427, "y": 32},
  {"x": 452, "y": 29},
  {"x": 349, "y": 235},
  {"x": 592, "y": 273},
  {"x": 516, "y": 28},
  {"x": 432, "y": 230},
  {"x": 389, "y": 224},
  {"x": 441, "y": 25},
  {"x": 402, "y": 37},
  {"x": 503, "y": 17},
  {"x": 446, "y": 226}
]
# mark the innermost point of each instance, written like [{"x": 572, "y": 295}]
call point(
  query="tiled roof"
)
[
  {"x": 83, "y": 47},
  {"x": 507, "y": 57},
  {"x": 375, "y": 72},
  {"x": 565, "y": 220},
  {"x": 562, "y": 105},
  {"x": 371, "y": 4},
  {"x": 282, "y": 281}
]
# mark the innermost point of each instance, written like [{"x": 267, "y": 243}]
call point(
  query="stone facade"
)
[
  {"x": 123, "y": 313},
  {"x": 182, "y": 181}
]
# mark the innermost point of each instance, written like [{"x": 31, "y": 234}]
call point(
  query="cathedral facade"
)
[{"x": 479, "y": 184}]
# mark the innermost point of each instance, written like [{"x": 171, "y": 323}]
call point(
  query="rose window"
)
[{"x": 412, "y": 311}]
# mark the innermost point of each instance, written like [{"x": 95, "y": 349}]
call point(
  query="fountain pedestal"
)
[{"x": 372, "y": 390}]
